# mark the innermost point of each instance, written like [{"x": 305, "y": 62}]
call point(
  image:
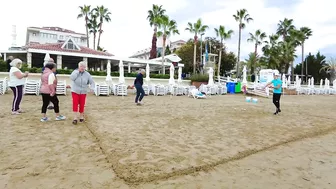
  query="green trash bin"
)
[{"x": 238, "y": 87}]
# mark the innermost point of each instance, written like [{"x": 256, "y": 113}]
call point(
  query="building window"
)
[
  {"x": 82, "y": 40},
  {"x": 61, "y": 36},
  {"x": 71, "y": 46},
  {"x": 34, "y": 34}
]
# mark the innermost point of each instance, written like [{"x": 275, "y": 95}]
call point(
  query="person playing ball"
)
[{"x": 277, "y": 89}]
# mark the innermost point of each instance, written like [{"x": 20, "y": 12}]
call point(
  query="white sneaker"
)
[
  {"x": 44, "y": 119},
  {"x": 15, "y": 113},
  {"x": 60, "y": 117}
]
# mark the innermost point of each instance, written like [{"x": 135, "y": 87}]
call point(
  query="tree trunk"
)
[
  {"x": 239, "y": 41},
  {"x": 292, "y": 70},
  {"x": 163, "y": 54},
  {"x": 153, "y": 52},
  {"x": 87, "y": 31},
  {"x": 100, "y": 32},
  {"x": 94, "y": 41},
  {"x": 219, "y": 59},
  {"x": 302, "y": 56},
  {"x": 194, "y": 68},
  {"x": 255, "y": 58}
]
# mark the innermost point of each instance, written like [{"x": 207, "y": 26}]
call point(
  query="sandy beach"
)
[{"x": 171, "y": 142}]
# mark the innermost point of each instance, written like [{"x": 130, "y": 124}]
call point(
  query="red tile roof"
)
[
  {"x": 59, "y": 29},
  {"x": 58, "y": 47}
]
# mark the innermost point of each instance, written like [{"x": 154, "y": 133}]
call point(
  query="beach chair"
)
[
  {"x": 102, "y": 89},
  {"x": 222, "y": 89},
  {"x": 61, "y": 88},
  {"x": 3, "y": 86},
  {"x": 32, "y": 87},
  {"x": 160, "y": 90},
  {"x": 121, "y": 90},
  {"x": 196, "y": 94},
  {"x": 146, "y": 89}
]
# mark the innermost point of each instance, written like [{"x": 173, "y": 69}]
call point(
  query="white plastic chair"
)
[
  {"x": 121, "y": 90},
  {"x": 102, "y": 89},
  {"x": 3, "y": 86},
  {"x": 32, "y": 87},
  {"x": 61, "y": 88}
]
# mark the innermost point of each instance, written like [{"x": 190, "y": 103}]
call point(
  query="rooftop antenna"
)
[{"x": 14, "y": 35}]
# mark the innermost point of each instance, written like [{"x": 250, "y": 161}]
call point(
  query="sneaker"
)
[
  {"x": 60, "y": 117},
  {"x": 44, "y": 119},
  {"x": 16, "y": 113}
]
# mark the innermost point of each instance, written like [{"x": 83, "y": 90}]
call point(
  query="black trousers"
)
[
  {"x": 18, "y": 93},
  {"x": 276, "y": 100},
  {"x": 46, "y": 99}
]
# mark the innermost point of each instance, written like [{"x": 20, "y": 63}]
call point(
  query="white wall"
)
[{"x": 128, "y": 80}]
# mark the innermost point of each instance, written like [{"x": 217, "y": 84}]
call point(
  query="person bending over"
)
[{"x": 138, "y": 82}]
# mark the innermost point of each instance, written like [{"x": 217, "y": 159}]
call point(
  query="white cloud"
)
[{"x": 129, "y": 30}]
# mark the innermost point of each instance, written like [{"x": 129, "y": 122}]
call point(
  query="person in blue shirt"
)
[
  {"x": 138, "y": 82},
  {"x": 277, "y": 89}
]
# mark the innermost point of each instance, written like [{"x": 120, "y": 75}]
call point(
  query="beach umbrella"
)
[
  {"x": 171, "y": 74},
  {"x": 211, "y": 81},
  {"x": 147, "y": 74},
  {"x": 179, "y": 78},
  {"x": 121, "y": 72},
  {"x": 312, "y": 82},
  {"x": 244, "y": 75},
  {"x": 108, "y": 72},
  {"x": 46, "y": 58}
]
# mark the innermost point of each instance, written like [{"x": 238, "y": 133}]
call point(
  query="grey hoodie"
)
[{"x": 80, "y": 82}]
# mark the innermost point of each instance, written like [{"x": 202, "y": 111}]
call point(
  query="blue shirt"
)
[{"x": 275, "y": 83}]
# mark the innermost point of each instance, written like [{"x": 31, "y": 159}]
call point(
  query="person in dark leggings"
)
[
  {"x": 138, "y": 82},
  {"x": 16, "y": 83},
  {"x": 48, "y": 92},
  {"x": 51, "y": 60},
  {"x": 277, "y": 89}
]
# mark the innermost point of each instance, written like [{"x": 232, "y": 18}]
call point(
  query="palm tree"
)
[
  {"x": 241, "y": 17},
  {"x": 167, "y": 28},
  {"x": 85, "y": 12},
  {"x": 196, "y": 29},
  {"x": 222, "y": 34},
  {"x": 305, "y": 33},
  {"x": 258, "y": 38},
  {"x": 93, "y": 28},
  {"x": 284, "y": 28},
  {"x": 330, "y": 68},
  {"x": 104, "y": 16},
  {"x": 153, "y": 16},
  {"x": 271, "y": 52}
]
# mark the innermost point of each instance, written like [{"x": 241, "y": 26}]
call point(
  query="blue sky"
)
[{"x": 129, "y": 30}]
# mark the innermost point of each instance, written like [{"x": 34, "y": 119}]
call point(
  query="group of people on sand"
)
[{"x": 81, "y": 79}]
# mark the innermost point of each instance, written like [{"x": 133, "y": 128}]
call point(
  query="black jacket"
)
[
  {"x": 8, "y": 64},
  {"x": 139, "y": 79}
]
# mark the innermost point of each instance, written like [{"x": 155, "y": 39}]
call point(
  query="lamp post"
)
[
  {"x": 306, "y": 70},
  {"x": 201, "y": 62}
]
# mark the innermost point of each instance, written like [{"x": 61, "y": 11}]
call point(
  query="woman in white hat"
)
[{"x": 16, "y": 83}]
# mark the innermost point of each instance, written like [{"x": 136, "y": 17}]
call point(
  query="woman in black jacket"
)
[{"x": 138, "y": 82}]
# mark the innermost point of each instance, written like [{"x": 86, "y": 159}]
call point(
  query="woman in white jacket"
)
[{"x": 16, "y": 83}]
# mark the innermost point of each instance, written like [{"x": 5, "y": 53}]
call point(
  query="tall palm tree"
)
[
  {"x": 305, "y": 33},
  {"x": 223, "y": 35},
  {"x": 258, "y": 38},
  {"x": 167, "y": 28},
  {"x": 93, "y": 28},
  {"x": 104, "y": 16},
  {"x": 284, "y": 28},
  {"x": 85, "y": 12},
  {"x": 241, "y": 17},
  {"x": 154, "y": 16},
  {"x": 271, "y": 51},
  {"x": 330, "y": 68},
  {"x": 196, "y": 29}
]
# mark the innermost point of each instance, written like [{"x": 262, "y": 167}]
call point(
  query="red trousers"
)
[{"x": 78, "y": 100}]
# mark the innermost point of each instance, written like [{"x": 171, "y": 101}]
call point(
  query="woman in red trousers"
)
[{"x": 80, "y": 82}]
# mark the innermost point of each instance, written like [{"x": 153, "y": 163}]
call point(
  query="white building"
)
[
  {"x": 47, "y": 35},
  {"x": 68, "y": 48},
  {"x": 145, "y": 53}
]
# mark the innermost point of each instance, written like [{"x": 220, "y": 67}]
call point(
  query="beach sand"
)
[{"x": 171, "y": 142}]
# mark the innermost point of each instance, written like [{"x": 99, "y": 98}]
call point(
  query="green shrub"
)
[
  {"x": 3, "y": 66},
  {"x": 200, "y": 78}
]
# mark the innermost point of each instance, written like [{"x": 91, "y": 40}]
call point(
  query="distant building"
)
[
  {"x": 47, "y": 35},
  {"x": 173, "y": 46}
]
